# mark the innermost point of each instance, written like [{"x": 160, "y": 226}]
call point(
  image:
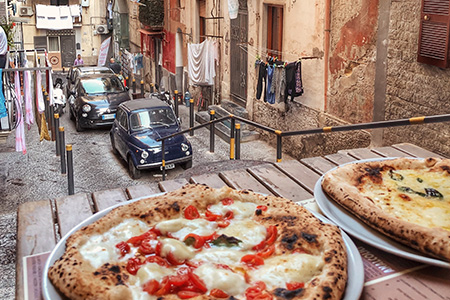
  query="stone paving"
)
[{"x": 36, "y": 175}]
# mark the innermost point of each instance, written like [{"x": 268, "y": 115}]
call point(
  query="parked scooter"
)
[
  {"x": 59, "y": 99},
  {"x": 164, "y": 96}
]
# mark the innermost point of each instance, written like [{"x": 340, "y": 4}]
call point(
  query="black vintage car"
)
[
  {"x": 79, "y": 71},
  {"x": 94, "y": 99}
]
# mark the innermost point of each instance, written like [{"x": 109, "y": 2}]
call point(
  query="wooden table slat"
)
[
  {"x": 241, "y": 179},
  {"x": 299, "y": 173},
  {"x": 340, "y": 158},
  {"x": 416, "y": 150},
  {"x": 72, "y": 210},
  {"x": 389, "y": 152},
  {"x": 35, "y": 234},
  {"x": 171, "y": 185},
  {"x": 141, "y": 190},
  {"x": 211, "y": 180},
  {"x": 278, "y": 183},
  {"x": 105, "y": 199},
  {"x": 318, "y": 164},
  {"x": 360, "y": 153}
]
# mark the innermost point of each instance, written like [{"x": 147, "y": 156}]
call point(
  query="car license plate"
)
[
  {"x": 168, "y": 167},
  {"x": 108, "y": 116}
]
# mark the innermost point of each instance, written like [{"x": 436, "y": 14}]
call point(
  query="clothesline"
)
[{"x": 256, "y": 52}]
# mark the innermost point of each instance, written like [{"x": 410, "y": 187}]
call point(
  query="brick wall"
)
[{"x": 414, "y": 89}]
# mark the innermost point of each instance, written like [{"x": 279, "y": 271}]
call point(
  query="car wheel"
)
[
  {"x": 113, "y": 145},
  {"x": 78, "y": 126},
  {"x": 134, "y": 172},
  {"x": 187, "y": 165}
]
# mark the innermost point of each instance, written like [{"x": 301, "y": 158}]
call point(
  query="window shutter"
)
[{"x": 434, "y": 33}]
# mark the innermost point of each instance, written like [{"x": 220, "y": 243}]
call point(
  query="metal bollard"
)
[
  {"x": 134, "y": 85},
  {"x": 211, "y": 131},
  {"x": 126, "y": 81},
  {"x": 279, "y": 145},
  {"x": 191, "y": 116},
  {"x": 70, "y": 168},
  {"x": 61, "y": 149},
  {"x": 51, "y": 122},
  {"x": 238, "y": 141},
  {"x": 56, "y": 117},
  {"x": 142, "y": 88},
  {"x": 175, "y": 102},
  {"x": 232, "y": 128},
  {"x": 163, "y": 161},
  {"x": 152, "y": 87}
]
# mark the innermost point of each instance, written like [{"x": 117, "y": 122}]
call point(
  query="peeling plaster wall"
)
[
  {"x": 352, "y": 60},
  {"x": 414, "y": 89}
]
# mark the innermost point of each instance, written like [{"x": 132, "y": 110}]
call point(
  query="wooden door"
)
[
  {"x": 238, "y": 55},
  {"x": 67, "y": 50}
]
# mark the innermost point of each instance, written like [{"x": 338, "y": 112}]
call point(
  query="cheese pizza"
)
[
  {"x": 406, "y": 199},
  {"x": 203, "y": 243}
]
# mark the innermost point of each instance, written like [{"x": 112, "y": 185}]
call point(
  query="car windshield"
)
[
  {"x": 102, "y": 85},
  {"x": 152, "y": 118}
]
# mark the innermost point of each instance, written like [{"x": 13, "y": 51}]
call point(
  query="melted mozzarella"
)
[
  {"x": 425, "y": 211},
  {"x": 241, "y": 210},
  {"x": 228, "y": 257},
  {"x": 179, "y": 249},
  {"x": 181, "y": 227},
  {"x": 226, "y": 280},
  {"x": 100, "y": 249},
  {"x": 248, "y": 231},
  {"x": 153, "y": 271},
  {"x": 279, "y": 270}
]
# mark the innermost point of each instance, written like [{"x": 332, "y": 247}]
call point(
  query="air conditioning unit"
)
[
  {"x": 102, "y": 29},
  {"x": 25, "y": 11}
]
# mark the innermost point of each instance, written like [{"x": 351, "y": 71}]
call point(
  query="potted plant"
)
[{"x": 151, "y": 14}]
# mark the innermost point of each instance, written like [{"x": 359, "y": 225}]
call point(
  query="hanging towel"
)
[
  {"x": 20, "y": 131},
  {"x": 44, "y": 129},
  {"x": 29, "y": 117},
  {"x": 40, "y": 104},
  {"x": 201, "y": 63},
  {"x": 3, "y": 112},
  {"x": 233, "y": 8}
]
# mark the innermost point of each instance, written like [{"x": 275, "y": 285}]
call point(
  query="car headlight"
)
[
  {"x": 86, "y": 108},
  {"x": 144, "y": 154},
  {"x": 184, "y": 147}
]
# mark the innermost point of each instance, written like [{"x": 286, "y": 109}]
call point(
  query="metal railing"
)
[{"x": 235, "y": 130}]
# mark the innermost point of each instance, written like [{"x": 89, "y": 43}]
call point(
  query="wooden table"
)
[{"x": 42, "y": 223}]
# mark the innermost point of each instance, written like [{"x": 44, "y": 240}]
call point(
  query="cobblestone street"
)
[{"x": 36, "y": 175}]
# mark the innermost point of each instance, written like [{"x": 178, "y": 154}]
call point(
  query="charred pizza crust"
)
[
  {"x": 297, "y": 228},
  {"x": 346, "y": 186}
]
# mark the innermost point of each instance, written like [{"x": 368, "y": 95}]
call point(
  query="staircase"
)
[{"x": 223, "y": 128}]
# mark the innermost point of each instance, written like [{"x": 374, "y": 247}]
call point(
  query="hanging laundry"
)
[
  {"x": 298, "y": 79},
  {"x": 50, "y": 81},
  {"x": 44, "y": 129},
  {"x": 201, "y": 63},
  {"x": 20, "y": 132},
  {"x": 233, "y": 8},
  {"x": 3, "y": 112},
  {"x": 40, "y": 104},
  {"x": 262, "y": 76},
  {"x": 29, "y": 117},
  {"x": 270, "y": 95},
  {"x": 290, "y": 80},
  {"x": 279, "y": 83}
]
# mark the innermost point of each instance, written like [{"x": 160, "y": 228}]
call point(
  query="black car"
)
[
  {"x": 138, "y": 125},
  {"x": 94, "y": 99},
  {"x": 78, "y": 71}
]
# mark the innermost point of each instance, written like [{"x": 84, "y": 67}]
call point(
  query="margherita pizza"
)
[
  {"x": 203, "y": 243},
  {"x": 404, "y": 198}
]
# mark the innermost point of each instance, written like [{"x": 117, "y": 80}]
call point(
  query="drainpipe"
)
[{"x": 327, "y": 49}]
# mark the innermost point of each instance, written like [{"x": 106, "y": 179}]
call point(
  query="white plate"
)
[
  {"x": 356, "y": 228},
  {"x": 353, "y": 289}
]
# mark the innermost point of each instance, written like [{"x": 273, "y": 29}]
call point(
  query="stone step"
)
[{"x": 222, "y": 129}]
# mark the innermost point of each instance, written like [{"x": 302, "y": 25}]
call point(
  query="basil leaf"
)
[{"x": 227, "y": 241}]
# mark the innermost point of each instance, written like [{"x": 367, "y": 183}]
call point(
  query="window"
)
[
  {"x": 59, "y": 2},
  {"x": 274, "y": 30},
  {"x": 53, "y": 43},
  {"x": 202, "y": 19},
  {"x": 40, "y": 42},
  {"x": 434, "y": 33}
]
